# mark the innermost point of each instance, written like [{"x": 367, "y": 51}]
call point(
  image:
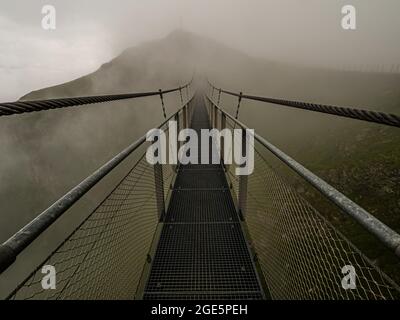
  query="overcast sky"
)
[{"x": 91, "y": 32}]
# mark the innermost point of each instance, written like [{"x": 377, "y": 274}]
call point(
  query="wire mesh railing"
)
[
  {"x": 301, "y": 254},
  {"x": 104, "y": 258}
]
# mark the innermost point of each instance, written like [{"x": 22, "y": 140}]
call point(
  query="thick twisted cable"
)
[
  {"x": 18, "y": 107},
  {"x": 359, "y": 114}
]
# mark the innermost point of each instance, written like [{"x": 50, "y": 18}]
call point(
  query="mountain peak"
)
[{"x": 180, "y": 33}]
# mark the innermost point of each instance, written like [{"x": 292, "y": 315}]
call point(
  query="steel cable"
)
[
  {"x": 19, "y": 107},
  {"x": 347, "y": 112}
]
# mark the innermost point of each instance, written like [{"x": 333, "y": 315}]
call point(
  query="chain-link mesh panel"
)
[
  {"x": 301, "y": 254},
  {"x": 104, "y": 257}
]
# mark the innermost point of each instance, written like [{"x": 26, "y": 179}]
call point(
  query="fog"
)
[
  {"x": 91, "y": 32},
  {"x": 286, "y": 49}
]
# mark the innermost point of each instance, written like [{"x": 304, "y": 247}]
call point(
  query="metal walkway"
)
[{"x": 202, "y": 252}]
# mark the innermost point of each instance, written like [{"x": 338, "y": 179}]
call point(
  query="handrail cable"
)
[
  {"x": 347, "y": 112},
  {"x": 19, "y": 107}
]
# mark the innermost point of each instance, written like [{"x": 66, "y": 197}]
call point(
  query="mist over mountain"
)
[
  {"x": 171, "y": 61},
  {"x": 47, "y": 153}
]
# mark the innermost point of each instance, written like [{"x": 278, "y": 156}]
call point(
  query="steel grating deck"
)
[{"x": 202, "y": 253}]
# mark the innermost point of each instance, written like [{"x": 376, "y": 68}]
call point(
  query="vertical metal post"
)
[
  {"x": 163, "y": 104},
  {"x": 191, "y": 110},
  {"x": 243, "y": 182},
  {"x": 189, "y": 114},
  {"x": 178, "y": 143},
  {"x": 219, "y": 97},
  {"x": 215, "y": 124},
  {"x": 159, "y": 185},
  {"x": 185, "y": 117},
  {"x": 180, "y": 92},
  {"x": 238, "y": 107},
  {"x": 223, "y": 126},
  {"x": 211, "y": 114},
  {"x": 178, "y": 125}
]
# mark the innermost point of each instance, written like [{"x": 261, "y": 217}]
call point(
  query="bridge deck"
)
[{"x": 202, "y": 252}]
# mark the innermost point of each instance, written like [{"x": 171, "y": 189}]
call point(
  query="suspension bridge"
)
[{"x": 199, "y": 231}]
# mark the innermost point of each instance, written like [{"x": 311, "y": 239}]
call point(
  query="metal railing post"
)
[
  {"x": 238, "y": 107},
  {"x": 178, "y": 144},
  {"x": 180, "y": 93},
  {"x": 159, "y": 186},
  {"x": 211, "y": 115},
  {"x": 185, "y": 117},
  {"x": 219, "y": 96},
  {"x": 163, "y": 104},
  {"x": 243, "y": 182},
  {"x": 223, "y": 126},
  {"x": 191, "y": 110},
  {"x": 215, "y": 124}
]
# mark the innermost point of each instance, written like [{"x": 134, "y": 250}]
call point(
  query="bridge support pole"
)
[
  {"x": 159, "y": 185},
  {"x": 243, "y": 183},
  {"x": 185, "y": 117},
  {"x": 223, "y": 126},
  {"x": 180, "y": 92},
  {"x": 219, "y": 97},
  {"x": 178, "y": 127},
  {"x": 215, "y": 124},
  {"x": 211, "y": 113},
  {"x": 190, "y": 112}
]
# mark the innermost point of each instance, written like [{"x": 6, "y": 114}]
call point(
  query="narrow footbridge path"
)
[{"x": 202, "y": 252}]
